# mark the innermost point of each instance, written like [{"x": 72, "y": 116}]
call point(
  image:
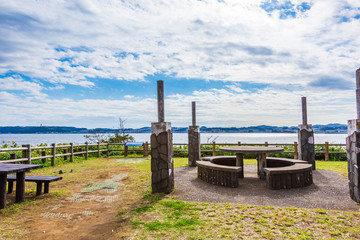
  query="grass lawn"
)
[
  {"x": 142, "y": 215},
  {"x": 160, "y": 217}
]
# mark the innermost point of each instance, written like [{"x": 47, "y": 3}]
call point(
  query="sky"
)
[{"x": 85, "y": 63}]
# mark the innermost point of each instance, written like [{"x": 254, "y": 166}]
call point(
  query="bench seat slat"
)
[
  {"x": 289, "y": 169},
  {"x": 29, "y": 178}
]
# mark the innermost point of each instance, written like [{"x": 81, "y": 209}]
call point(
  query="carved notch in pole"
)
[
  {"x": 160, "y": 95},
  {"x": 358, "y": 92},
  {"x": 304, "y": 111},
  {"x": 194, "y": 113}
]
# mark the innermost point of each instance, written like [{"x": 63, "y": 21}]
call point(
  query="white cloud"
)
[
  {"x": 72, "y": 42},
  {"x": 193, "y": 39},
  {"x": 17, "y": 83}
]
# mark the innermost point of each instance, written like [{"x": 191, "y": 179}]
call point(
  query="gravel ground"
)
[{"x": 329, "y": 191}]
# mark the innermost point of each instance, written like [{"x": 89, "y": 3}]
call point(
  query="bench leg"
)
[
  {"x": 20, "y": 187},
  {"x": 38, "y": 188},
  {"x": 240, "y": 163},
  {"x": 261, "y": 165},
  {"x": 3, "y": 178},
  {"x": 10, "y": 187},
  {"x": 46, "y": 187}
]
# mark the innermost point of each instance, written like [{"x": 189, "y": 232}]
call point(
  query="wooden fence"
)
[{"x": 72, "y": 150}]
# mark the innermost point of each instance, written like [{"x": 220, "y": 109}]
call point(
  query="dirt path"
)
[
  {"x": 84, "y": 215},
  {"x": 94, "y": 197}
]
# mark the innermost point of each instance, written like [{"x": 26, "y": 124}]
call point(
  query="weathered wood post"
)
[
  {"x": 72, "y": 152},
  {"x": 162, "y": 166},
  {"x": 146, "y": 149},
  {"x": 213, "y": 148},
  {"x": 98, "y": 149},
  {"x": 326, "y": 151},
  {"x": 53, "y": 152},
  {"x": 295, "y": 150},
  {"x": 12, "y": 156},
  {"x": 107, "y": 150},
  {"x": 65, "y": 152},
  {"x": 125, "y": 150},
  {"x": 43, "y": 154},
  {"x": 306, "y": 138},
  {"x": 353, "y": 147},
  {"x": 193, "y": 140},
  {"x": 27, "y": 153},
  {"x": 86, "y": 150}
]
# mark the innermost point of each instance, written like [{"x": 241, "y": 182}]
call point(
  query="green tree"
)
[{"x": 120, "y": 136}]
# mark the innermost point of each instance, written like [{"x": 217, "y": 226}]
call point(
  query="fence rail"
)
[{"x": 72, "y": 150}]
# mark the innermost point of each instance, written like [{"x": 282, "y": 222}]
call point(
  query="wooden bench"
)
[
  {"x": 227, "y": 176},
  {"x": 294, "y": 176},
  {"x": 38, "y": 179},
  {"x": 282, "y": 162},
  {"x": 222, "y": 160}
]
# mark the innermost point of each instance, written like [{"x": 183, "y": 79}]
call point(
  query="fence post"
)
[
  {"x": 326, "y": 151},
  {"x": 53, "y": 152},
  {"x": 266, "y": 144},
  {"x": 25, "y": 153},
  {"x": 72, "y": 152},
  {"x": 43, "y": 153},
  {"x": 147, "y": 149},
  {"x": 98, "y": 150},
  {"x": 239, "y": 143},
  {"x": 107, "y": 148},
  {"x": 64, "y": 152},
  {"x": 87, "y": 150},
  {"x": 12, "y": 155},
  {"x": 125, "y": 150},
  {"x": 214, "y": 148},
  {"x": 295, "y": 150}
]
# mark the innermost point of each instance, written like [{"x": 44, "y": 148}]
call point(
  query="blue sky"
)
[{"x": 85, "y": 63}]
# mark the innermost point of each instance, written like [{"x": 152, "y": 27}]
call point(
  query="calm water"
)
[{"x": 35, "y": 139}]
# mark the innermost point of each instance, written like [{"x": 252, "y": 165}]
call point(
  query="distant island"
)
[{"x": 329, "y": 128}]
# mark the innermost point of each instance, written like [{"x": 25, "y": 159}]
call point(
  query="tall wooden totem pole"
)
[
  {"x": 194, "y": 139},
  {"x": 353, "y": 147},
  {"x": 306, "y": 138},
  {"x": 162, "y": 165}
]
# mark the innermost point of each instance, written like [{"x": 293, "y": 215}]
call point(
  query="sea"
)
[{"x": 178, "y": 138}]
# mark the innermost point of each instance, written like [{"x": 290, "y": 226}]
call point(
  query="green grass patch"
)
[{"x": 338, "y": 167}]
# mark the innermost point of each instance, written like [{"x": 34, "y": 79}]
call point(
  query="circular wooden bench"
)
[
  {"x": 284, "y": 173},
  {"x": 222, "y": 160},
  {"x": 217, "y": 174},
  {"x": 282, "y": 162}
]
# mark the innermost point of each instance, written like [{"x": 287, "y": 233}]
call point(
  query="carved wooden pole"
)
[
  {"x": 306, "y": 138},
  {"x": 162, "y": 165},
  {"x": 194, "y": 153},
  {"x": 161, "y": 106},
  {"x": 352, "y": 143},
  {"x": 304, "y": 111},
  {"x": 194, "y": 113},
  {"x": 358, "y": 93}
]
